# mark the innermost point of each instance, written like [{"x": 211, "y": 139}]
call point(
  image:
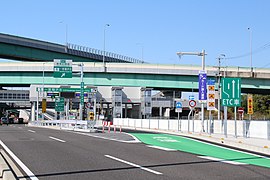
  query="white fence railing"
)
[
  {"x": 68, "y": 124},
  {"x": 246, "y": 128}
]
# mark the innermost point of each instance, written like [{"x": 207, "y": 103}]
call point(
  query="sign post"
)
[
  {"x": 210, "y": 101},
  {"x": 250, "y": 105},
  {"x": 202, "y": 93},
  {"x": 59, "y": 104},
  {"x": 178, "y": 109},
  {"x": 231, "y": 92},
  {"x": 231, "y": 97}
]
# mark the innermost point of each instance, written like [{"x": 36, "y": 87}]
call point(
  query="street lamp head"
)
[
  {"x": 107, "y": 25},
  {"x": 223, "y": 55}
]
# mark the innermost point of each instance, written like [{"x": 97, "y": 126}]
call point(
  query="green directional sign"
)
[
  {"x": 231, "y": 92},
  {"x": 62, "y": 68},
  {"x": 59, "y": 104},
  {"x": 63, "y": 89}
]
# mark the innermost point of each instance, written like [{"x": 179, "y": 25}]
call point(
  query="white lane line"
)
[
  {"x": 222, "y": 160},
  {"x": 111, "y": 139},
  {"x": 60, "y": 140},
  {"x": 32, "y": 131},
  {"x": 134, "y": 165},
  {"x": 19, "y": 162},
  {"x": 20, "y": 127},
  {"x": 161, "y": 148}
]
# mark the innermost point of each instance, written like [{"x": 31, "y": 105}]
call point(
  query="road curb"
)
[{"x": 5, "y": 171}]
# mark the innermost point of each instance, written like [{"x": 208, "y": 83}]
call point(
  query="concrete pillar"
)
[
  {"x": 33, "y": 107},
  {"x": 160, "y": 111},
  {"x": 126, "y": 111}
]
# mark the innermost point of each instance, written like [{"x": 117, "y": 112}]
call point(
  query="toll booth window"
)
[
  {"x": 118, "y": 92},
  {"x": 148, "y": 104},
  {"x": 9, "y": 96},
  {"x": 148, "y": 93},
  {"x": 5, "y": 96},
  {"x": 117, "y": 103},
  {"x": 23, "y": 96}
]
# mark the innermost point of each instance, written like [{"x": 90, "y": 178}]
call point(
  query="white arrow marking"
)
[
  {"x": 238, "y": 88},
  {"x": 233, "y": 88},
  {"x": 223, "y": 86},
  {"x": 63, "y": 74}
]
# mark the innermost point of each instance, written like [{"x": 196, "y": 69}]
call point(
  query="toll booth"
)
[
  {"x": 146, "y": 102},
  {"x": 117, "y": 102}
]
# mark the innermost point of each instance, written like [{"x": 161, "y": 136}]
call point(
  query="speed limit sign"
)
[{"x": 192, "y": 103}]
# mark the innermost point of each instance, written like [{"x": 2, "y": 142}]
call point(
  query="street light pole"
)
[
  {"x": 66, "y": 35},
  {"x": 219, "y": 87},
  {"x": 250, "y": 45},
  {"x": 142, "y": 50},
  {"x": 104, "y": 43},
  {"x": 43, "y": 73},
  {"x": 203, "y": 68}
]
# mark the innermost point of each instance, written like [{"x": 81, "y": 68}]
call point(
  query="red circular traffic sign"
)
[
  {"x": 240, "y": 110},
  {"x": 192, "y": 103}
]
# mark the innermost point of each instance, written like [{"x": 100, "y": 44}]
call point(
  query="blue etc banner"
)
[{"x": 202, "y": 85}]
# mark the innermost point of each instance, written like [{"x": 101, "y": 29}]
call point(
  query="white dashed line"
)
[
  {"x": 134, "y": 165},
  {"x": 31, "y": 131},
  {"x": 222, "y": 160},
  {"x": 161, "y": 148},
  {"x": 60, "y": 140}
]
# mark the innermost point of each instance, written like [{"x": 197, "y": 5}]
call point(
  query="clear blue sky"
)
[{"x": 160, "y": 27}]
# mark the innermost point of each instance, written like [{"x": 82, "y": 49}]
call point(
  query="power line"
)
[{"x": 260, "y": 49}]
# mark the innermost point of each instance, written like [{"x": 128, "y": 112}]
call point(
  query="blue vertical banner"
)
[{"x": 202, "y": 86}]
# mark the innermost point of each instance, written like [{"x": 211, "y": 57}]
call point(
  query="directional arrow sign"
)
[
  {"x": 62, "y": 68},
  {"x": 231, "y": 91},
  {"x": 178, "y": 104}
]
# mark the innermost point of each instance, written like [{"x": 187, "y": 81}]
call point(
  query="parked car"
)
[
  {"x": 4, "y": 120},
  {"x": 20, "y": 120},
  {"x": 11, "y": 120}
]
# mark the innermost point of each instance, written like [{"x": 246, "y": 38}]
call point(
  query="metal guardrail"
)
[
  {"x": 75, "y": 125},
  {"x": 114, "y": 57}
]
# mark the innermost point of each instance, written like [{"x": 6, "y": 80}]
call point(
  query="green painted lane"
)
[{"x": 201, "y": 148}]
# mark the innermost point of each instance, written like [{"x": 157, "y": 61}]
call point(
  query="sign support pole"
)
[
  {"x": 178, "y": 122},
  {"x": 225, "y": 121},
  {"x": 37, "y": 105},
  {"x": 82, "y": 93},
  {"x": 189, "y": 118},
  {"x": 202, "y": 105},
  {"x": 235, "y": 121}
]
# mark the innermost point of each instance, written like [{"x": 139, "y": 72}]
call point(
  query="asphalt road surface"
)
[{"x": 55, "y": 154}]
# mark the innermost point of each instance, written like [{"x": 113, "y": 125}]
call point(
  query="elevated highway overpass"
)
[
  {"x": 120, "y": 70},
  {"x": 26, "y": 49},
  {"x": 155, "y": 76}
]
